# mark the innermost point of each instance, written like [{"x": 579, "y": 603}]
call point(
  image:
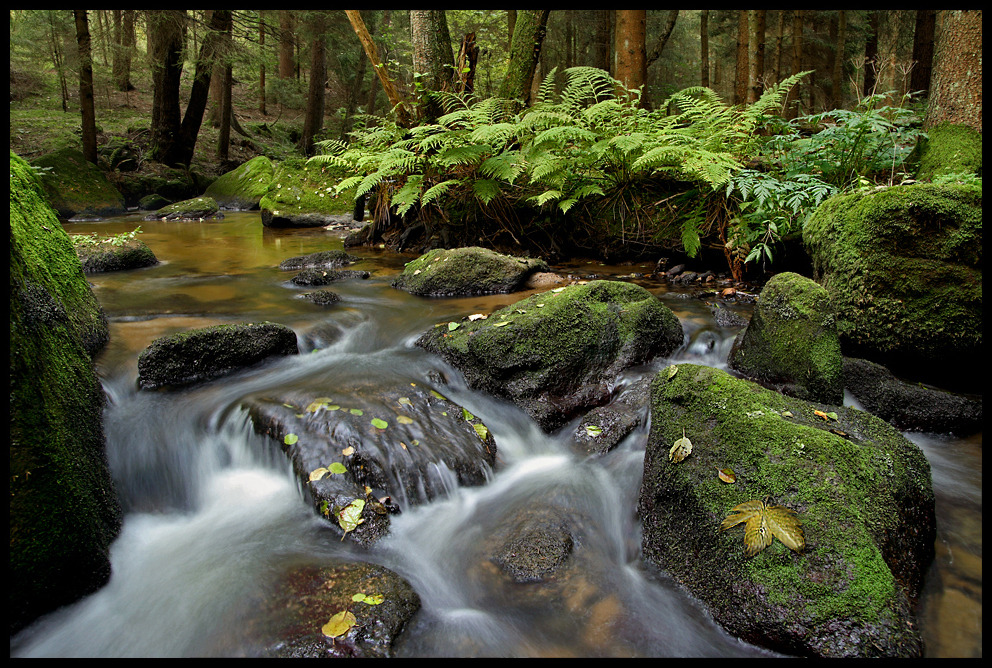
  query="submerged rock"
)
[
  {"x": 911, "y": 406},
  {"x": 99, "y": 258},
  {"x": 861, "y": 490},
  {"x": 557, "y": 354},
  {"x": 332, "y": 259},
  {"x": 199, "y": 355},
  {"x": 534, "y": 547},
  {"x": 466, "y": 271},
  {"x": 196, "y": 209},
  {"x": 308, "y": 596},
  {"x": 321, "y": 297},
  {"x": 791, "y": 342},
  {"x": 313, "y": 277}
]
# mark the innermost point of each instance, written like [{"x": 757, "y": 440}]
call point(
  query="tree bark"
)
[
  {"x": 602, "y": 51},
  {"x": 923, "y": 38},
  {"x": 704, "y": 44},
  {"x": 528, "y": 36},
  {"x": 741, "y": 83},
  {"x": 165, "y": 31},
  {"x": 793, "y": 100},
  {"x": 871, "y": 55},
  {"x": 837, "y": 87},
  {"x": 756, "y": 62},
  {"x": 403, "y": 117},
  {"x": 261, "y": 65},
  {"x": 86, "y": 85},
  {"x": 433, "y": 62},
  {"x": 468, "y": 58},
  {"x": 287, "y": 66},
  {"x": 666, "y": 32},
  {"x": 956, "y": 82},
  {"x": 629, "y": 48},
  {"x": 226, "y": 112},
  {"x": 313, "y": 120}
]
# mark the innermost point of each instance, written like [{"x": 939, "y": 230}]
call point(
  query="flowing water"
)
[{"x": 214, "y": 514}]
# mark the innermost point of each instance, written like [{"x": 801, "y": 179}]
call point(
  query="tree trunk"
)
[
  {"x": 956, "y": 82},
  {"x": 528, "y": 36},
  {"x": 165, "y": 31},
  {"x": 313, "y": 120},
  {"x": 468, "y": 58},
  {"x": 629, "y": 48},
  {"x": 356, "y": 89},
  {"x": 286, "y": 60},
  {"x": 837, "y": 87},
  {"x": 261, "y": 61},
  {"x": 226, "y": 113},
  {"x": 793, "y": 99},
  {"x": 432, "y": 59},
  {"x": 704, "y": 43},
  {"x": 741, "y": 83},
  {"x": 756, "y": 62},
  {"x": 871, "y": 55},
  {"x": 602, "y": 52},
  {"x": 923, "y": 51},
  {"x": 86, "y": 85},
  {"x": 403, "y": 117},
  {"x": 666, "y": 32}
]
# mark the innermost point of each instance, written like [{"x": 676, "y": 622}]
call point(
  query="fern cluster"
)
[{"x": 574, "y": 155}]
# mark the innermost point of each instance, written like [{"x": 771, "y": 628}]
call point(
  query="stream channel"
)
[{"x": 214, "y": 513}]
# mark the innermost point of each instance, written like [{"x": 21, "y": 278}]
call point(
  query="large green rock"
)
[
  {"x": 791, "y": 341},
  {"x": 557, "y": 354},
  {"x": 77, "y": 187},
  {"x": 301, "y": 195},
  {"x": 466, "y": 271},
  {"x": 861, "y": 490},
  {"x": 950, "y": 149},
  {"x": 903, "y": 268},
  {"x": 64, "y": 512},
  {"x": 241, "y": 189}
]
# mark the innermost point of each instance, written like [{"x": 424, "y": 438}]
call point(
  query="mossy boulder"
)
[
  {"x": 242, "y": 189},
  {"x": 903, "y": 268},
  {"x": 950, "y": 149},
  {"x": 861, "y": 490},
  {"x": 308, "y": 596},
  {"x": 301, "y": 195},
  {"x": 466, "y": 271},
  {"x": 202, "y": 354},
  {"x": 64, "y": 512},
  {"x": 76, "y": 187},
  {"x": 102, "y": 257},
  {"x": 195, "y": 209},
  {"x": 557, "y": 354},
  {"x": 911, "y": 406},
  {"x": 332, "y": 259},
  {"x": 791, "y": 341}
]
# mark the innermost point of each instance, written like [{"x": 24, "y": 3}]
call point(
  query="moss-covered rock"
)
[
  {"x": 198, "y": 208},
  {"x": 466, "y": 271},
  {"x": 102, "y": 257},
  {"x": 791, "y": 342},
  {"x": 903, "y": 268},
  {"x": 199, "y": 355},
  {"x": 332, "y": 259},
  {"x": 76, "y": 187},
  {"x": 861, "y": 490},
  {"x": 64, "y": 512},
  {"x": 242, "y": 189},
  {"x": 301, "y": 195},
  {"x": 950, "y": 149},
  {"x": 556, "y": 354}
]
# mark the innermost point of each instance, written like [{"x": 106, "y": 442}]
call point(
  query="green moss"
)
[
  {"x": 298, "y": 187},
  {"x": 859, "y": 496},
  {"x": 462, "y": 271},
  {"x": 63, "y": 511},
  {"x": 902, "y": 267},
  {"x": 75, "y": 186},
  {"x": 950, "y": 149},
  {"x": 245, "y": 185}
]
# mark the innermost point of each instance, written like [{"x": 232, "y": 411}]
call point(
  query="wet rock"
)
[
  {"x": 791, "y": 342},
  {"x": 555, "y": 354},
  {"x": 199, "y": 355},
  {"x": 77, "y": 187},
  {"x": 403, "y": 441},
  {"x": 466, "y": 271},
  {"x": 242, "y": 188},
  {"x": 911, "y": 406},
  {"x": 310, "y": 595},
  {"x": 321, "y": 297},
  {"x": 728, "y": 318},
  {"x": 314, "y": 277},
  {"x": 331, "y": 259},
  {"x": 861, "y": 490},
  {"x": 603, "y": 428}
]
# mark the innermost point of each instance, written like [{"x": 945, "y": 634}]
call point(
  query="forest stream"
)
[{"x": 214, "y": 514}]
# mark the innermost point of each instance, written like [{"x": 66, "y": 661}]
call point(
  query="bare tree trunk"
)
[
  {"x": 871, "y": 54},
  {"x": 468, "y": 57},
  {"x": 261, "y": 66},
  {"x": 602, "y": 58},
  {"x": 286, "y": 59},
  {"x": 956, "y": 83},
  {"x": 226, "y": 112},
  {"x": 86, "y": 85},
  {"x": 756, "y": 62},
  {"x": 629, "y": 47},
  {"x": 432, "y": 58},
  {"x": 793, "y": 99},
  {"x": 704, "y": 43},
  {"x": 313, "y": 119},
  {"x": 402, "y": 114},
  {"x": 837, "y": 88},
  {"x": 666, "y": 32},
  {"x": 923, "y": 50},
  {"x": 165, "y": 34},
  {"x": 743, "y": 47}
]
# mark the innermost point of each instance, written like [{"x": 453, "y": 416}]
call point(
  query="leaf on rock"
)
[
  {"x": 350, "y": 516},
  {"x": 339, "y": 624},
  {"x": 317, "y": 474},
  {"x": 403, "y": 419},
  {"x": 593, "y": 430},
  {"x": 481, "y": 430},
  {"x": 379, "y": 423},
  {"x": 762, "y": 522},
  {"x": 681, "y": 449},
  {"x": 672, "y": 370},
  {"x": 727, "y": 475},
  {"x": 337, "y": 467},
  {"x": 350, "y": 450},
  {"x": 290, "y": 439},
  {"x": 452, "y": 326},
  {"x": 477, "y": 316}
]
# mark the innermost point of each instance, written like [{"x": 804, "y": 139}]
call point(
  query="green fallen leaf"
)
[
  {"x": 452, "y": 326},
  {"x": 356, "y": 411},
  {"x": 593, "y": 430},
  {"x": 379, "y": 424},
  {"x": 501, "y": 324},
  {"x": 481, "y": 430},
  {"x": 467, "y": 415},
  {"x": 337, "y": 467},
  {"x": 350, "y": 516},
  {"x": 403, "y": 419},
  {"x": 374, "y": 599},
  {"x": 290, "y": 439},
  {"x": 672, "y": 370}
]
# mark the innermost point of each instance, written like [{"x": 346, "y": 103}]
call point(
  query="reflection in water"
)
[{"x": 215, "y": 515}]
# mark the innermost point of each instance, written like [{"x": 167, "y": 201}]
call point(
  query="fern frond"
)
[{"x": 486, "y": 190}]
